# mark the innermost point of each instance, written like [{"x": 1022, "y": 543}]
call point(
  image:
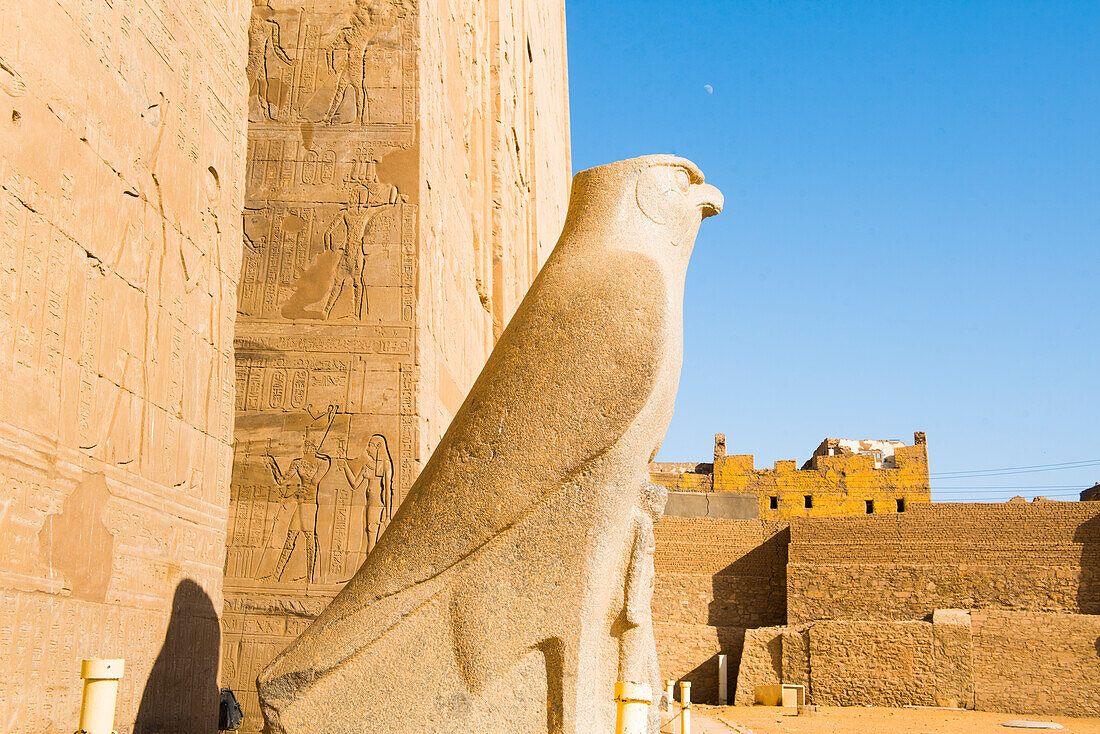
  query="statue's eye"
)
[{"x": 683, "y": 180}]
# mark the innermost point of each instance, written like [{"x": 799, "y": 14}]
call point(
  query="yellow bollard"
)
[
  {"x": 666, "y": 713},
  {"x": 97, "y": 705},
  {"x": 685, "y": 707},
  {"x": 632, "y": 702}
]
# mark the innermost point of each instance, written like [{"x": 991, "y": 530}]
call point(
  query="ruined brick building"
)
[{"x": 842, "y": 477}]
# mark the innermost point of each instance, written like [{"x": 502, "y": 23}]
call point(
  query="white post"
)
[
  {"x": 666, "y": 714},
  {"x": 723, "y": 676},
  {"x": 97, "y": 706},
  {"x": 685, "y": 707},
  {"x": 632, "y": 702}
]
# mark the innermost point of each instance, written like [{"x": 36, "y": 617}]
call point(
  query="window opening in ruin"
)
[
  {"x": 773, "y": 502},
  {"x": 809, "y": 501},
  {"x": 901, "y": 504},
  {"x": 870, "y": 506}
]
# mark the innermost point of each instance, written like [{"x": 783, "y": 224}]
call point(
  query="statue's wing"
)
[{"x": 570, "y": 373}]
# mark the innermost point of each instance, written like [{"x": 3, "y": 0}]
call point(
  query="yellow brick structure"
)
[{"x": 843, "y": 477}]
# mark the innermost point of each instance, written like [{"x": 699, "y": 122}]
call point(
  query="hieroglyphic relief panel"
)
[
  {"x": 121, "y": 181},
  {"x": 328, "y": 261},
  {"x": 326, "y": 306},
  {"x": 350, "y": 62}
]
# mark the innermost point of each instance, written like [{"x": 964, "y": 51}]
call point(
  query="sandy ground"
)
[{"x": 867, "y": 720}]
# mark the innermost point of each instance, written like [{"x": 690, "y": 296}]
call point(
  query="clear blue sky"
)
[{"x": 911, "y": 239}]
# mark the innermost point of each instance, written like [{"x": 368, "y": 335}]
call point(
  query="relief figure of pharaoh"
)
[
  {"x": 263, "y": 43},
  {"x": 298, "y": 512},
  {"x": 354, "y": 219}
]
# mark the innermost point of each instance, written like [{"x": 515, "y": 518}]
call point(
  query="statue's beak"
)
[{"x": 709, "y": 198}]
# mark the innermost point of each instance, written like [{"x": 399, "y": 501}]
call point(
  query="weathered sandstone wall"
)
[
  {"x": 122, "y": 142},
  {"x": 1037, "y": 663},
  {"x": 494, "y": 183},
  {"x": 761, "y": 663},
  {"x": 859, "y": 663},
  {"x": 990, "y": 659},
  {"x": 408, "y": 171}
]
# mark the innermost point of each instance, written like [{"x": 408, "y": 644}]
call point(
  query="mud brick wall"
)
[
  {"x": 122, "y": 143},
  {"x": 872, "y": 664},
  {"x": 715, "y": 578},
  {"x": 1037, "y": 663},
  {"x": 683, "y": 477},
  {"x": 1042, "y": 556},
  {"x": 690, "y": 652}
]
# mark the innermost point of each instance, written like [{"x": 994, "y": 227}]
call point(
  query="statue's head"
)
[{"x": 652, "y": 204}]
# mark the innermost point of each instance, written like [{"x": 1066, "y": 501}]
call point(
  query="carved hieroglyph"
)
[
  {"x": 389, "y": 225},
  {"x": 121, "y": 182},
  {"x": 512, "y": 589},
  {"x": 324, "y": 345}
]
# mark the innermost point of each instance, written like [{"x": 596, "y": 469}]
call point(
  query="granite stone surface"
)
[{"x": 512, "y": 588}]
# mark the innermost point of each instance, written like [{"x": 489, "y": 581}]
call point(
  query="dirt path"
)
[{"x": 869, "y": 720}]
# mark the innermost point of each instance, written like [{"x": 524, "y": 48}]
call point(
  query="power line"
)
[
  {"x": 1016, "y": 490},
  {"x": 1019, "y": 469},
  {"x": 982, "y": 487},
  {"x": 1003, "y": 500},
  {"x": 864, "y": 482}
]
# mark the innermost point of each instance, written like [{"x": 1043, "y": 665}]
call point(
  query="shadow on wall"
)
[
  {"x": 1088, "y": 587},
  {"x": 751, "y": 592},
  {"x": 181, "y": 694},
  {"x": 704, "y": 677}
]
